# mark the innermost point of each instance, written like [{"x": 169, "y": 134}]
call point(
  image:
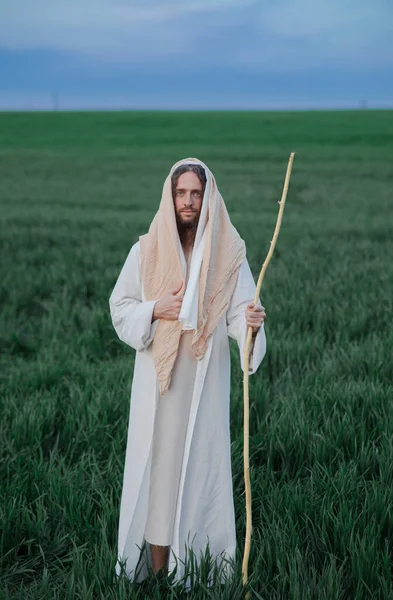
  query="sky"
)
[{"x": 196, "y": 54}]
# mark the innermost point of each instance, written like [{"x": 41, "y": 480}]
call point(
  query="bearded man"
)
[{"x": 184, "y": 288}]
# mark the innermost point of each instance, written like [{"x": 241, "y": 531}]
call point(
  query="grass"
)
[{"x": 76, "y": 191}]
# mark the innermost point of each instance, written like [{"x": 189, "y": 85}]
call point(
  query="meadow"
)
[{"x": 76, "y": 191}]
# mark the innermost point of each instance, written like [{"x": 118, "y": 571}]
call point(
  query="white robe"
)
[{"x": 205, "y": 508}]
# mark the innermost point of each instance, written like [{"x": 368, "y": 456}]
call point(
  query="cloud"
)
[
  {"x": 330, "y": 30},
  {"x": 222, "y": 53},
  {"x": 111, "y": 30},
  {"x": 286, "y": 34}
]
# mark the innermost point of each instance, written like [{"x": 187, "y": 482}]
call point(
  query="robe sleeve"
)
[
  {"x": 236, "y": 319},
  {"x": 131, "y": 317}
]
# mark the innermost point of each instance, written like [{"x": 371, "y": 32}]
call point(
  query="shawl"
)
[{"x": 162, "y": 267}]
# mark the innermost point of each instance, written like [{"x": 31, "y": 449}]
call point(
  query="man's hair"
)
[{"x": 197, "y": 169}]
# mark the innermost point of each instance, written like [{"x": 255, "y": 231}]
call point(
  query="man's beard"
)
[{"x": 187, "y": 229}]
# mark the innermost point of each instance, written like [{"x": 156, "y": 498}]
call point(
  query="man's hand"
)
[
  {"x": 255, "y": 315},
  {"x": 170, "y": 305}
]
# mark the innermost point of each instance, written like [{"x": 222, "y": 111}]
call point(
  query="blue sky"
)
[{"x": 196, "y": 55}]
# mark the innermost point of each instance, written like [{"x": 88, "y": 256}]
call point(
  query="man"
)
[{"x": 183, "y": 289}]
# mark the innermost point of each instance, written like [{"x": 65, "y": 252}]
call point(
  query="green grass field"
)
[{"x": 76, "y": 191}]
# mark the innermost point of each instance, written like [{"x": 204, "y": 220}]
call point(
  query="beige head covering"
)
[{"x": 161, "y": 270}]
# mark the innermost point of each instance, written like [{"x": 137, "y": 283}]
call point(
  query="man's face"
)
[{"x": 188, "y": 199}]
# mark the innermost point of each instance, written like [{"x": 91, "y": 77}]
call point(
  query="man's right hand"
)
[{"x": 170, "y": 305}]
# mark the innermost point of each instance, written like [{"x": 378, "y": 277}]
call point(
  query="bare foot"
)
[{"x": 159, "y": 556}]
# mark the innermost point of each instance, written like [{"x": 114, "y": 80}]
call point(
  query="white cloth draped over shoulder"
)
[
  {"x": 188, "y": 316},
  {"x": 205, "y": 508},
  {"x": 217, "y": 255}
]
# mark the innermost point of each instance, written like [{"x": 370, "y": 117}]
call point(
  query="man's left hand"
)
[{"x": 255, "y": 315}]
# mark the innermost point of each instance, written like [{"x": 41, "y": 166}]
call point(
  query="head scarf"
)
[{"x": 217, "y": 255}]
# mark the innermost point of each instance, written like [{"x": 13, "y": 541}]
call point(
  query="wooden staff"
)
[{"x": 245, "y": 379}]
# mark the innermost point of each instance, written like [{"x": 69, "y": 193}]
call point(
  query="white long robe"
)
[{"x": 205, "y": 508}]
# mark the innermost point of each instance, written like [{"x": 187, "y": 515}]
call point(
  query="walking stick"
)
[{"x": 245, "y": 379}]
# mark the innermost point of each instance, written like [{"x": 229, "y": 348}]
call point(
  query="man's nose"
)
[{"x": 189, "y": 199}]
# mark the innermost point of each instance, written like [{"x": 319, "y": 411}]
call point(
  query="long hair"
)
[
  {"x": 197, "y": 169},
  {"x": 185, "y": 229}
]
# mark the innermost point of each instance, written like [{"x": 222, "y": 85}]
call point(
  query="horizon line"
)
[{"x": 195, "y": 110}]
